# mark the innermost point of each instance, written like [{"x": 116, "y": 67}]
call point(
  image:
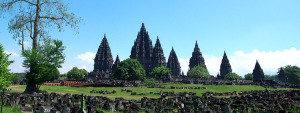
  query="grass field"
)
[
  {"x": 127, "y": 95},
  {"x": 8, "y": 109}
]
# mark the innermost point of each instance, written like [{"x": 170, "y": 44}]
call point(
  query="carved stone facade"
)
[
  {"x": 258, "y": 73},
  {"x": 225, "y": 67},
  {"x": 197, "y": 59},
  {"x": 158, "y": 58},
  {"x": 142, "y": 49},
  {"x": 116, "y": 64},
  {"x": 173, "y": 63},
  {"x": 282, "y": 77},
  {"x": 103, "y": 61}
]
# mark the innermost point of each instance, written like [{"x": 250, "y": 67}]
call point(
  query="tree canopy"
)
[
  {"x": 198, "y": 72},
  {"x": 42, "y": 62},
  {"x": 130, "y": 69},
  {"x": 5, "y": 75},
  {"x": 249, "y": 76},
  {"x": 232, "y": 76},
  {"x": 34, "y": 18},
  {"x": 293, "y": 73},
  {"x": 160, "y": 72},
  {"x": 77, "y": 74}
]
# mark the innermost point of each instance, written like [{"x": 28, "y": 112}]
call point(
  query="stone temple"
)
[
  {"x": 158, "y": 58},
  {"x": 173, "y": 63},
  {"x": 225, "y": 67},
  {"x": 103, "y": 61},
  {"x": 258, "y": 73},
  {"x": 142, "y": 49},
  {"x": 197, "y": 58},
  {"x": 282, "y": 77}
]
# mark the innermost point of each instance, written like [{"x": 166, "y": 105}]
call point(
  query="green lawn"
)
[
  {"x": 86, "y": 90},
  {"x": 7, "y": 109}
]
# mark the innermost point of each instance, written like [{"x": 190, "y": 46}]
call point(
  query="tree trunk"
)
[
  {"x": 36, "y": 25},
  {"x": 30, "y": 87},
  {"x": 31, "y": 84}
]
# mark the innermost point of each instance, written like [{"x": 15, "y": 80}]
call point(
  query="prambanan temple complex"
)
[{"x": 151, "y": 57}]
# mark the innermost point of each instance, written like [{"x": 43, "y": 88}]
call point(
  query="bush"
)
[
  {"x": 198, "y": 72},
  {"x": 232, "y": 76},
  {"x": 160, "y": 72},
  {"x": 129, "y": 69},
  {"x": 249, "y": 76},
  {"x": 76, "y": 74},
  {"x": 150, "y": 82}
]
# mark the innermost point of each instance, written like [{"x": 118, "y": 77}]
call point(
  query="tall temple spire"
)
[
  {"x": 116, "y": 64},
  {"x": 258, "y": 73},
  {"x": 197, "y": 59},
  {"x": 158, "y": 58},
  {"x": 225, "y": 67},
  {"x": 103, "y": 61},
  {"x": 142, "y": 49},
  {"x": 282, "y": 77},
  {"x": 173, "y": 63}
]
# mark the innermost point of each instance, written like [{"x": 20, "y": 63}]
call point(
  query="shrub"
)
[
  {"x": 198, "y": 72},
  {"x": 232, "y": 76},
  {"x": 249, "y": 76},
  {"x": 160, "y": 72}
]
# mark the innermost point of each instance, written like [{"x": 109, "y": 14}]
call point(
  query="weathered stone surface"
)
[
  {"x": 116, "y": 64},
  {"x": 103, "y": 60},
  {"x": 158, "y": 58},
  {"x": 282, "y": 77},
  {"x": 225, "y": 67},
  {"x": 173, "y": 63},
  {"x": 142, "y": 49},
  {"x": 197, "y": 58},
  {"x": 258, "y": 73}
]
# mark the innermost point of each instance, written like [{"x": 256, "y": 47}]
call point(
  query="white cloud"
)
[
  {"x": 12, "y": 54},
  {"x": 87, "y": 57},
  {"x": 243, "y": 63}
]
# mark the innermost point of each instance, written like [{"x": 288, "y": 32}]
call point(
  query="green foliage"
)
[
  {"x": 270, "y": 77},
  {"x": 232, "y": 76},
  {"x": 150, "y": 82},
  {"x": 63, "y": 75},
  {"x": 249, "y": 76},
  {"x": 129, "y": 69},
  {"x": 42, "y": 63},
  {"x": 293, "y": 73},
  {"x": 160, "y": 72},
  {"x": 54, "y": 75},
  {"x": 5, "y": 75},
  {"x": 77, "y": 74},
  {"x": 198, "y": 72}
]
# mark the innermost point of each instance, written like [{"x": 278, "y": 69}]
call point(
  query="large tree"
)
[
  {"x": 130, "y": 69},
  {"x": 76, "y": 74},
  {"x": 293, "y": 74},
  {"x": 42, "y": 62},
  {"x": 34, "y": 19}
]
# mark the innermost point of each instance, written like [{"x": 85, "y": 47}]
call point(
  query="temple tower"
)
[
  {"x": 116, "y": 64},
  {"x": 225, "y": 67},
  {"x": 258, "y": 73},
  {"x": 173, "y": 63},
  {"x": 158, "y": 58},
  {"x": 103, "y": 61},
  {"x": 142, "y": 49},
  {"x": 197, "y": 59},
  {"x": 282, "y": 77}
]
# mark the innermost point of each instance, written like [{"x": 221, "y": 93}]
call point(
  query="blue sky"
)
[{"x": 247, "y": 30}]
